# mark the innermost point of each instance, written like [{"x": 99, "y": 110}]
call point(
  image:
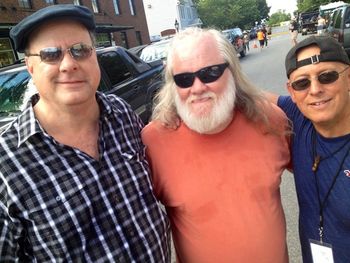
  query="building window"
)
[
  {"x": 116, "y": 7},
  {"x": 76, "y": 2},
  {"x": 132, "y": 7},
  {"x": 7, "y": 56},
  {"x": 95, "y": 6},
  {"x": 50, "y": 2},
  {"x": 103, "y": 40},
  {"x": 138, "y": 37},
  {"x": 25, "y": 4},
  {"x": 124, "y": 39}
]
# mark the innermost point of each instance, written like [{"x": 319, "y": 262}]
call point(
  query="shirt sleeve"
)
[{"x": 289, "y": 107}]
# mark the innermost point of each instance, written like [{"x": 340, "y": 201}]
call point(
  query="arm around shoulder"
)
[{"x": 272, "y": 97}]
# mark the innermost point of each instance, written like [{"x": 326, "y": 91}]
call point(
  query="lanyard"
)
[{"x": 317, "y": 160}]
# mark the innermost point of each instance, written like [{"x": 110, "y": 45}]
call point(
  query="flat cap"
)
[
  {"x": 330, "y": 50},
  {"x": 20, "y": 32}
]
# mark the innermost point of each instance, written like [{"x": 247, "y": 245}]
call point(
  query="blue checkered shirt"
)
[{"x": 57, "y": 204}]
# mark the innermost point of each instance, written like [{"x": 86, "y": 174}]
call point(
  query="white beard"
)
[{"x": 221, "y": 113}]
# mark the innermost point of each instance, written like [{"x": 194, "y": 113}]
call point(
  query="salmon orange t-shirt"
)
[{"x": 221, "y": 191}]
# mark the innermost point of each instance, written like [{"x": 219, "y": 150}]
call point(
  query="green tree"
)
[
  {"x": 278, "y": 17},
  {"x": 310, "y": 5},
  {"x": 223, "y": 14}
]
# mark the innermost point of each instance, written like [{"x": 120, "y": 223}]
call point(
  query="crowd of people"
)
[{"x": 83, "y": 180}]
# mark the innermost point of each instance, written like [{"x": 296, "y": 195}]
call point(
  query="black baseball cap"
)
[
  {"x": 20, "y": 32},
  {"x": 330, "y": 50}
]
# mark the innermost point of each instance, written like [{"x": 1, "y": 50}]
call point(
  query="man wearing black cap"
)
[
  {"x": 74, "y": 183},
  {"x": 319, "y": 107}
]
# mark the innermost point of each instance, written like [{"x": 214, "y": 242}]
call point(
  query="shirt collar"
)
[{"x": 28, "y": 124}]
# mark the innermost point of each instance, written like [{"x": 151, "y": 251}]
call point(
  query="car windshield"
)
[
  {"x": 155, "y": 51},
  {"x": 13, "y": 85},
  {"x": 237, "y": 31}
]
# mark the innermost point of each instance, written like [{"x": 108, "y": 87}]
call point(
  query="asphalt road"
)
[{"x": 266, "y": 70}]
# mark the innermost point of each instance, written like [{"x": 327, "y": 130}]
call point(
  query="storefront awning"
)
[{"x": 110, "y": 29}]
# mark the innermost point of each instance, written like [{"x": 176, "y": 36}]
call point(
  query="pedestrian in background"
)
[
  {"x": 265, "y": 35},
  {"x": 246, "y": 40},
  {"x": 218, "y": 174},
  {"x": 321, "y": 24},
  {"x": 293, "y": 28},
  {"x": 261, "y": 39},
  {"x": 74, "y": 182}
]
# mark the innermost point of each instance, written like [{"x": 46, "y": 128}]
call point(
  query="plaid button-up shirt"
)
[{"x": 57, "y": 204}]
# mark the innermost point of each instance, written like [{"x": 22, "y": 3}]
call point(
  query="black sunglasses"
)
[
  {"x": 324, "y": 78},
  {"x": 206, "y": 75},
  {"x": 78, "y": 51}
]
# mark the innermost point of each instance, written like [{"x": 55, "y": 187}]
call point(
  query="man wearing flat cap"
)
[
  {"x": 319, "y": 108},
  {"x": 74, "y": 183}
]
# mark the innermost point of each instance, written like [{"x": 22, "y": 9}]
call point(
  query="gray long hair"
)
[{"x": 249, "y": 99}]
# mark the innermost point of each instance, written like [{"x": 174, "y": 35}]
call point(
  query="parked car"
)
[
  {"x": 339, "y": 26},
  {"x": 155, "y": 51},
  {"x": 308, "y": 22},
  {"x": 122, "y": 74},
  {"x": 235, "y": 36}
]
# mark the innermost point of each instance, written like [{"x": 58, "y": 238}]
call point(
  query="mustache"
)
[{"x": 206, "y": 95}]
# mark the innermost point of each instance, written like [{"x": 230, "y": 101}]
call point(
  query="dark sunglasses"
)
[
  {"x": 206, "y": 75},
  {"x": 324, "y": 78},
  {"x": 78, "y": 51}
]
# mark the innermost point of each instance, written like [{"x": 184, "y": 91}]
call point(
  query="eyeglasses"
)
[
  {"x": 324, "y": 78},
  {"x": 206, "y": 75},
  {"x": 78, "y": 51}
]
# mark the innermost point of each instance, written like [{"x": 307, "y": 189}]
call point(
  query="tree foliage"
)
[
  {"x": 223, "y": 14},
  {"x": 278, "y": 17},
  {"x": 310, "y": 5}
]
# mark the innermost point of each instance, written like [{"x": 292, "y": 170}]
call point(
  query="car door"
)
[{"x": 120, "y": 80}]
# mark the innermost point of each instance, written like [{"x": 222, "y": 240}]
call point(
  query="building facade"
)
[
  {"x": 119, "y": 22},
  {"x": 164, "y": 16}
]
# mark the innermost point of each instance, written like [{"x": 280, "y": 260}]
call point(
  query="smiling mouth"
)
[{"x": 319, "y": 103}]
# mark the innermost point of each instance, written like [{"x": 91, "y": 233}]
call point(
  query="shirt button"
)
[{"x": 58, "y": 198}]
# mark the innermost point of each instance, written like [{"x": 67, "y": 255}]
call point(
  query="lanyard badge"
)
[{"x": 321, "y": 252}]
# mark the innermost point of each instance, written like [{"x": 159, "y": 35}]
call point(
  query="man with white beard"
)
[{"x": 218, "y": 174}]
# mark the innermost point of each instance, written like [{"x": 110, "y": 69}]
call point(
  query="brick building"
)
[{"x": 119, "y": 22}]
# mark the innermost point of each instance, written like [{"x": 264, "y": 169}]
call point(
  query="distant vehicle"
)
[
  {"x": 235, "y": 36},
  {"x": 308, "y": 22},
  {"x": 327, "y": 9},
  {"x": 339, "y": 26},
  {"x": 155, "y": 51}
]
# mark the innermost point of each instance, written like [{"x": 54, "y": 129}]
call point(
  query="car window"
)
[
  {"x": 13, "y": 85},
  {"x": 155, "y": 51},
  {"x": 114, "y": 67},
  {"x": 337, "y": 22},
  {"x": 237, "y": 31},
  {"x": 347, "y": 18}
]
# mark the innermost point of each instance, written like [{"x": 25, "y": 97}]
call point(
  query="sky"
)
[{"x": 288, "y": 5}]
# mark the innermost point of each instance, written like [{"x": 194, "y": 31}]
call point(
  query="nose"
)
[
  {"x": 68, "y": 63},
  {"x": 198, "y": 86},
  {"x": 315, "y": 86}
]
